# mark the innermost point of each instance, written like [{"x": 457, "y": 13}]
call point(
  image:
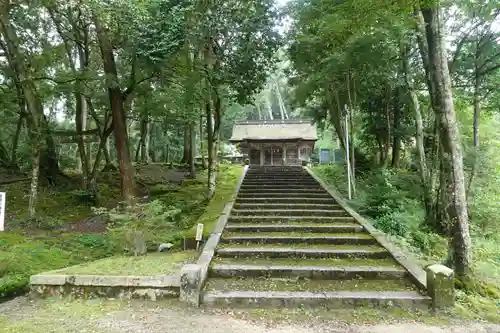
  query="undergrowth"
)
[
  {"x": 391, "y": 200},
  {"x": 28, "y": 249}
]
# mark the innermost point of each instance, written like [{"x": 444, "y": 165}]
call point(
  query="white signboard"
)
[
  {"x": 2, "y": 211},
  {"x": 199, "y": 232}
]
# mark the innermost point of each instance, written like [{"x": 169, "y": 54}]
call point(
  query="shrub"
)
[{"x": 134, "y": 227}]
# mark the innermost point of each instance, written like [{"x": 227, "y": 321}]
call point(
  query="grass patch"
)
[
  {"x": 227, "y": 179},
  {"x": 151, "y": 264}
]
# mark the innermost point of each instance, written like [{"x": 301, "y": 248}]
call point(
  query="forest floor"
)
[
  {"x": 98, "y": 316},
  {"x": 69, "y": 233}
]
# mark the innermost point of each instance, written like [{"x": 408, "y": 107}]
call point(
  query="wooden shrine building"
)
[{"x": 275, "y": 142}]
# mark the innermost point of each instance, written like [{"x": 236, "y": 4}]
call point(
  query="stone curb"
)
[
  {"x": 416, "y": 272},
  {"x": 191, "y": 293},
  {"x": 330, "y": 300},
  {"x": 156, "y": 281}
]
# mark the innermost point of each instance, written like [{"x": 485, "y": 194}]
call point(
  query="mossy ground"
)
[
  {"x": 26, "y": 250},
  {"x": 296, "y": 284},
  {"x": 151, "y": 264},
  {"x": 227, "y": 179}
]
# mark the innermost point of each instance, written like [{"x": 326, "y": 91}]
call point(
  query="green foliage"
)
[{"x": 133, "y": 227}]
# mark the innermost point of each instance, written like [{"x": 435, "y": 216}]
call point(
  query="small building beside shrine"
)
[{"x": 275, "y": 142}]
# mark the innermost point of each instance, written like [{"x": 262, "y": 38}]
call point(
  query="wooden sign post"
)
[{"x": 199, "y": 235}]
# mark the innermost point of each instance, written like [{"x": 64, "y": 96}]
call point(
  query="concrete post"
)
[
  {"x": 191, "y": 284},
  {"x": 441, "y": 286}
]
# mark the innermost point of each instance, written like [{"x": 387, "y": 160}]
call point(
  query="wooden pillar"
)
[
  {"x": 284, "y": 154},
  {"x": 272, "y": 155},
  {"x": 261, "y": 154}
]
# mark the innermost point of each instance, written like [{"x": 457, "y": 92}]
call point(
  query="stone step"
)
[
  {"x": 265, "y": 190},
  {"x": 289, "y": 219},
  {"x": 279, "y": 178},
  {"x": 291, "y": 252},
  {"x": 287, "y": 200},
  {"x": 322, "y": 262},
  {"x": 283, "y": 194},
  {"x": 285, "y": 239},
  {"x": 277, "y": 174},
  {"x": 330, "y": 300},
  {"x": 292, "y": 284},
  {"x": 294, "y": 227},
  {"x": 280, "y": 183},
  {"x": 288, "y": 212},
  {"x": 285, "y": 187},
  {"x": 310, "y": 272},
  {"x": 306, "y": 206}
]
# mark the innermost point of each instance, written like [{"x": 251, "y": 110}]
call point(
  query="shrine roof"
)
[{"x": 274, "y": 130}]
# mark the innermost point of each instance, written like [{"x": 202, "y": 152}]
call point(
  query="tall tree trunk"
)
[
  {"x": 101, "y": 150},
  {"x": 202, "y": 148},
  {"x": 451, "y": 144},
  {"x": 419, "y": 136},
  {"x": 27, "y": 90},
  {"x": 81, "y": 123},
  {"x": 152, "y": 143},
  {"x": 211, "y": 147},
  {"x": 15, "y": 142},
  {"x": 35, "y": 170},
  {"x": 213, "y": 144},
  {"x": 118, "y": 114},
  {"x": 475, "y": 127},
  {"x": 396, "y": 141},
  {"x": 192, "y": 150},
  {"x": 138, "y": 151},
  {"x": 145, "y": 136},
  {"x": 186, "y": 146},
  {"x": 106, "y": 151}
]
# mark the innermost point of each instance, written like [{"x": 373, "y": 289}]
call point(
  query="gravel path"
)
[{"x": 22, "y": 315}]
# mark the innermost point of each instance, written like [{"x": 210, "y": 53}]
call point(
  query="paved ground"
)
[{"x": 22, "y": 315}]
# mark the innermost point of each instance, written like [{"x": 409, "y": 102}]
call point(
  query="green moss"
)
[
  {"x": 308, "y": 262},
  {"x": 227, "y": 179},
  {"x": 151, "y": 264},
  {"x": 290, "y": 284},
  {"x": 22, "y": 256}
]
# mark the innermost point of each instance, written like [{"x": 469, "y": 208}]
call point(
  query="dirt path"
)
[{"x": 53, "y": 316}]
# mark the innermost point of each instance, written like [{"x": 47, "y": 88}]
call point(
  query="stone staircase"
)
[{"x": 287, "y": 243}]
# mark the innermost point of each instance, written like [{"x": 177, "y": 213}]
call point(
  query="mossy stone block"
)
[
  {"x": 440, "y": 286},
  {"x": 190, "y": 292}
]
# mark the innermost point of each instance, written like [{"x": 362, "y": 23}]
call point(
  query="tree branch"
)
[
  {"x": 133, "y": 85},
  {"x": 73, "y": 133}
]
